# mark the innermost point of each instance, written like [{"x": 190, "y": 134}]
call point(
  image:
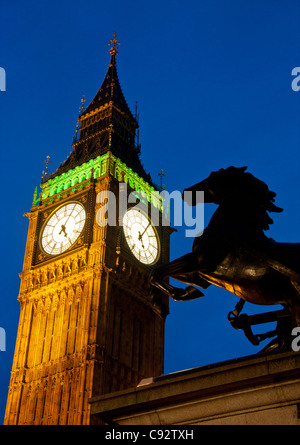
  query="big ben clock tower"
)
[{"x": 87, "y": 324}]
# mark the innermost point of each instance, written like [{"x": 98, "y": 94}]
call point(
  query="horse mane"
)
[{"x": 255, "y": 195}]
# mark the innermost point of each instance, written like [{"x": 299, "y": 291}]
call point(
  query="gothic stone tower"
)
[{"x": 87, "y": 325}]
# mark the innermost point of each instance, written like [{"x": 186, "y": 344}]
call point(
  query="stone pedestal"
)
[{"x": 254, "y": 390}]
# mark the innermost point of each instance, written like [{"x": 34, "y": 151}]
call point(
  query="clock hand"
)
[
  {"x": 69, "y": 216},
  {"x": 63, "y": 229},
  {"x": 140, "y": 238},
  {"x": 141, "y": 234},
  {"x": 63, "y": 226}
]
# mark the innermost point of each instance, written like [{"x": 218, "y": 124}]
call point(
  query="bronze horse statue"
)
[{"x": 234, "y": 253}]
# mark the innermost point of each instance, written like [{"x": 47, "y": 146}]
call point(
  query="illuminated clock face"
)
[
  {"x": 63, "y": 228},
  {"x": 141, "y": 236}
]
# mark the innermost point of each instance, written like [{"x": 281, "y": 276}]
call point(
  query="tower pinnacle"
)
[{"x": 114, "y": 49}]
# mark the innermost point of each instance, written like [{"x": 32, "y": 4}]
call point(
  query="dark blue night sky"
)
[{"x": 213, "y": 83}]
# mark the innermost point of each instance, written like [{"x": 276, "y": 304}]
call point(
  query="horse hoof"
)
[
  {"x": 193, "y": 292},
  {"x": 189, "y": 293}
]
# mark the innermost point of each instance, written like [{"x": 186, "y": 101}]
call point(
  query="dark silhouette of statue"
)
[{"x": 234, "y": 253}]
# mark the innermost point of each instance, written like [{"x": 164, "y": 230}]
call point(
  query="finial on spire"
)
[
  {"x": 81, "y": 108},
  {"x": 161, "y": 174},
  {"x": 114, "y": 50},
  {"x": 136, "y": 107},
  {"x": 45, "y": 173},
  {"x": 82, "y": 103}
]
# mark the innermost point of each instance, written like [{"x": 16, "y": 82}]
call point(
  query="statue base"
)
[{"x": 262, "y": 389}]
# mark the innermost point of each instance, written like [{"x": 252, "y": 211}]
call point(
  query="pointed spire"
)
[
  {"x": 110, "y": 90},
  {"x": 107, "y": 124}
]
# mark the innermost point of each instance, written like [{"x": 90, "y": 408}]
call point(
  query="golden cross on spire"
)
[{"x": 113, "y": 50}]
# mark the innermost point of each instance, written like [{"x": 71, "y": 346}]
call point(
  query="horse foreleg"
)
[{"x": 181, "y": 266}]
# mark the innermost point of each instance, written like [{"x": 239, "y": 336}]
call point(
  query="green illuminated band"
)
[{"x": 98, "y": 167}]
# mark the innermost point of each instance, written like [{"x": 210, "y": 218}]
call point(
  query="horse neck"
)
[{"x": 235, "y": 222}]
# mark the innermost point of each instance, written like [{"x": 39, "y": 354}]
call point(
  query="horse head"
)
[
  {"x": 218, "y": 184},
  {"x": 236, "y": 186}
]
